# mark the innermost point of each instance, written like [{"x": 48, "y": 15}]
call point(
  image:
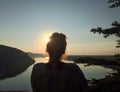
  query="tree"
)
[
  {"x": 114, "y": 3},
  {"x": 115, "y": 29}
]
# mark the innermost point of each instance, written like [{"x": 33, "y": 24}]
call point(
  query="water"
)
[{"x": 22, "y": 81}]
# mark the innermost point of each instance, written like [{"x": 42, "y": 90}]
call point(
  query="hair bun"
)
[
  {"x": 58, "y": 36},
  {"x": 57, "y": 45}
]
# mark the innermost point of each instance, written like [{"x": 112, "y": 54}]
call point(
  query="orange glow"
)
[
  {"x": 42, "y": 40},
  {"x": 47, "y": 39}
]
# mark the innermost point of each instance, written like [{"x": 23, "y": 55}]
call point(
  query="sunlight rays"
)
[
  {"x": 42, "y": 39},
  {"x": 45, "y": 37}
]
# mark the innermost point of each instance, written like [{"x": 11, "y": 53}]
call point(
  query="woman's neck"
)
[{"x": 54, "y": 60}]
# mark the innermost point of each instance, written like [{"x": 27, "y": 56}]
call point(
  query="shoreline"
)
[{"x": 111, "y": 82}]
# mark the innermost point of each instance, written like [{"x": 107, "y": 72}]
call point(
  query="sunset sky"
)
[{"x": 26, "y": 24}]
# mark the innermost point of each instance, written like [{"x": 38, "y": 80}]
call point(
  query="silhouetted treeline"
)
[{"x": 97, "y": 61}]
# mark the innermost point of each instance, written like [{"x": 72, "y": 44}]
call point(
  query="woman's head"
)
[{"x": 56, "y": 46}]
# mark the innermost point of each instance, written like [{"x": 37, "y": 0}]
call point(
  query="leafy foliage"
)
[
  {"x": 114, "y": 30},
  {"x": 114, "y": 3}
]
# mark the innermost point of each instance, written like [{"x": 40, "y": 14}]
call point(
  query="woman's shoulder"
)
[
  {"x": 40, "y": 67},
  {"x": 72, "y": 67}
]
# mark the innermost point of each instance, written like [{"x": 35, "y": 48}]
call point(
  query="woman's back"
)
[{"x": 58, "y": 77}]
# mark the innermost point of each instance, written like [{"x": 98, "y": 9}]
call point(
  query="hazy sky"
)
[{"x": 25, "y": 24}]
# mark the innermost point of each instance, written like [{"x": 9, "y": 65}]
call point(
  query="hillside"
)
[
  {"x": 13, "y": 61},
  {"x": 35, "y": 55}
]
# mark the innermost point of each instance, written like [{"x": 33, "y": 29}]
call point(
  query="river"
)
[{"x": 22, "y": 81}]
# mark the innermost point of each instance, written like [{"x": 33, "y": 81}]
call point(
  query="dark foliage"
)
[
  {"x": 114, "y": 3},
  {"x": 114, "y": 30},
  {"x": 98, "y": 61}
]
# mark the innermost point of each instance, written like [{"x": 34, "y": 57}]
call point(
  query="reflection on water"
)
[
  {"x": 96, "y": 71},
  {"x": 22, "y": 81},
  {"x": 90, "y": 72}
]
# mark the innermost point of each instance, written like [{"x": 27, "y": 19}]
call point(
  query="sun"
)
[{"x": 47, "y": 39}]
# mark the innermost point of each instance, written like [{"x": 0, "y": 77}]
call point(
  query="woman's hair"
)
[{"x": 57, "y": 45}]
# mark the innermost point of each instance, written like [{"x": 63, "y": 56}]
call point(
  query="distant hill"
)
[
  {"x": 34, "y": 55},
  {"x": 13, "y": 61}
]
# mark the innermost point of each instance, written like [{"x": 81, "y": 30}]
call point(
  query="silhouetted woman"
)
[{"x": 57, "y": 76}]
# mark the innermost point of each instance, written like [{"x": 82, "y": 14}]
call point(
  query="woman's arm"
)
[
  {"x": 82, "y": 79},
  {"x": 34, "y": 78}
]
